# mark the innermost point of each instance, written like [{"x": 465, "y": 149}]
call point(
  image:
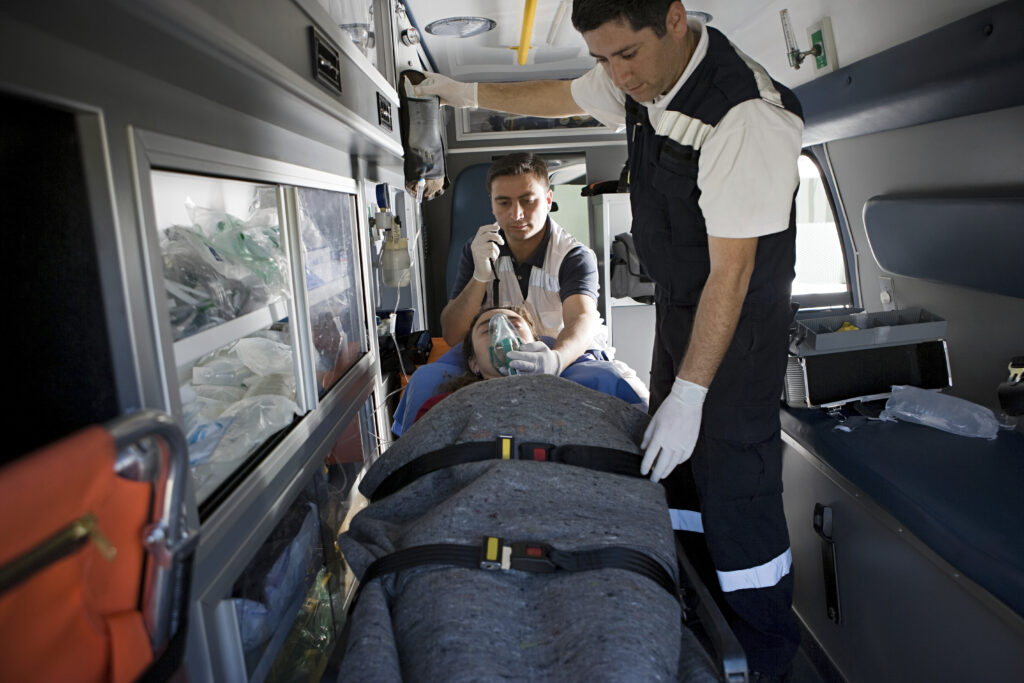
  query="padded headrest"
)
[{"x": 471, "y": 208}]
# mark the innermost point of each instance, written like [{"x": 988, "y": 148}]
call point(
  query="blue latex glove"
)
[
  {"x": 672, "y": 433},
  {"x": 535, "y": 358}
]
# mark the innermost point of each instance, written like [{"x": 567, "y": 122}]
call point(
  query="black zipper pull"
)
[{"x": 58, "y": 546}]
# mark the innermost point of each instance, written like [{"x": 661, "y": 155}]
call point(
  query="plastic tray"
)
[{"x": 888, "y": 328}]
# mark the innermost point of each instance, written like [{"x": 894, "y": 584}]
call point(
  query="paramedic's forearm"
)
[
  {"x": 732, "y": 262},
  {"x": 458, "y": 313},
  {"x": 579, "y": 317},
  {"x": 551, "y": 99}
]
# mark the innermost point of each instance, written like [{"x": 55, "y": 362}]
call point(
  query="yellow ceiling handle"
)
[{"x": 524, "y": 39}]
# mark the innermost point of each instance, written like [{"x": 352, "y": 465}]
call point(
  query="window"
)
[{"x": 820, "y": 264}]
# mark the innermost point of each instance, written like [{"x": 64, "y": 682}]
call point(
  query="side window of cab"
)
[{"x": 821, "y": 267}]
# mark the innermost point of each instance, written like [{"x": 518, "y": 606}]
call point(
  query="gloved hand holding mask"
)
[{"x": 535, "y": 358}]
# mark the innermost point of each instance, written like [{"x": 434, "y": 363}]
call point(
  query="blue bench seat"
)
[{"x": 963, "y": 497}]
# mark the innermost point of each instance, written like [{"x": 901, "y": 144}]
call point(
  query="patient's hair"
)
[
  {"x": 469, "y": 353},
  {"x": 518, "y": 163}
]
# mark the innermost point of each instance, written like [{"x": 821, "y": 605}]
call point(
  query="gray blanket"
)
[{"x": 453, "y": 624}]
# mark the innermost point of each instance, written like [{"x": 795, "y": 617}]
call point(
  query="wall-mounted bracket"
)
[
  {"x": 820, "y": 34},
  {"x": 796, "y": 57}
]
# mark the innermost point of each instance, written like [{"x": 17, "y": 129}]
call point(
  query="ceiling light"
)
[
  {"x": 460, "y": 27},
  {"x": 703, "y": 16}
]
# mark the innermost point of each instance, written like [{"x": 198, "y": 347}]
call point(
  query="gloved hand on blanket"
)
[
  {"x": 672, "y": 432},
  {"x": 535, "y": 358}
]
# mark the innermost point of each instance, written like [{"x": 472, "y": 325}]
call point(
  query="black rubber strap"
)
[
  {"x": 616, "y": 557},
  {"x": 469, "y": 556},
  {"x": 609, "y": 460}
]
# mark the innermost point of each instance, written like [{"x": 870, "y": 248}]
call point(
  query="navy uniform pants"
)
[{"x": 729, "y": 493}]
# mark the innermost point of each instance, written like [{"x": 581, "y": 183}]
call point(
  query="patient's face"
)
[{"x": 481, "y": 363}]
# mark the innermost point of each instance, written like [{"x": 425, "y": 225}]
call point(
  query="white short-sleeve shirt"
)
[{"x": 747, "y": 170}]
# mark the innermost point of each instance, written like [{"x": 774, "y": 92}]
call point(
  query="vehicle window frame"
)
[{"x": 851, "y": 297}]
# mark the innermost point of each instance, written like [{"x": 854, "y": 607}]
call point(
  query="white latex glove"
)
[
  {"x": 535, "y": 358},
  {"x": 453, "y": 93},
  {"x": 672, "y": 432},
  {"x": 485, "y": 249}
]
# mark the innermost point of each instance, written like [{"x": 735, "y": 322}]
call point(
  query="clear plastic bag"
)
[
  {"x": 278, "y": 384},
  {"x": 256, "y": 419},
  {"x": 202, "y": 296},
  {"x": 265, "y": 356},
  {"x": 230, "y": 372},
  {"x": 243, "y": 247},
  {"x": 948, "y": 413}
]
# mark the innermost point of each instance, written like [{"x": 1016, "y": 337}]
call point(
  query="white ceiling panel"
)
[{"x": 861, "y": 27}]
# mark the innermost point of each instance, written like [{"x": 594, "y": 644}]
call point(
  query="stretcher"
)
[
  {"x": 509, "y": 536},
  {"x": 95, "y": 555}
]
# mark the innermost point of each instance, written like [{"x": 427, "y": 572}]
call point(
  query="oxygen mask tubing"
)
[{"x": 503, "y": 340}]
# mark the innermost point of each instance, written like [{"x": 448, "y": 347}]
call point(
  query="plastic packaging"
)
[
  {"x": 278, "y": 384},
  {"x": 289, "y": 576},
  {"x": 948, "y": 413},
  {"x": 221, "y": 266},
  {"x": 252, "y": 421},
  {"x": 503, "y": 340},
  {"x": 265, "y": 356},
  {"x": 230, "y": 372},
  {"x": 215, "y": 392}
]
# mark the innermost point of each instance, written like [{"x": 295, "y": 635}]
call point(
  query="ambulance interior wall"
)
[
  {"x": 969, "y": 156},
  {"x": 122, "y": 72}
]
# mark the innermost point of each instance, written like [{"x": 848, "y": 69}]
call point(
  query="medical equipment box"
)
[{"x": 859, "y": 357}]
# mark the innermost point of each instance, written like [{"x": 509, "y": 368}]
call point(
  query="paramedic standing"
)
[
  {"x": 526, "y": 259},
  {"x": 713, "y": 146}
]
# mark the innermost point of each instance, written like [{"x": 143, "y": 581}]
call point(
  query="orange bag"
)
[{"x": 71, "y": 565}]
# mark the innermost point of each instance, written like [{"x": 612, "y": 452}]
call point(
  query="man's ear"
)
[{"x": 675, "y": 20}]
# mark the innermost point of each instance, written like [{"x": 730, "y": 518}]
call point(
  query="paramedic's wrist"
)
[{"x": 688, "y": 393}]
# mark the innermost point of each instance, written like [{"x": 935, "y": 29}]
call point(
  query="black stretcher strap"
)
[
  {"x": 609, "y": 460},
  {"x": 494, "y": 554}
]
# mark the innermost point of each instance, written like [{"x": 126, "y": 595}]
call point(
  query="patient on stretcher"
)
[
  {"x": 469, "y": 362},
  {"x": 535, "y": 460}
]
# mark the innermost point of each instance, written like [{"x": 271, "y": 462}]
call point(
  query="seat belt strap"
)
[
  {"x": 608, "y": 460},
  {"x": 495, "y": 554}
]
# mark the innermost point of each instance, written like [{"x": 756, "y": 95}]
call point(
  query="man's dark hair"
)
[
  {"x": 588, "y": 15},
  {"x": 519, "y": 163}
]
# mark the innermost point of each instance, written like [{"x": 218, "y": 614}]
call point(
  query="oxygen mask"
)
[{"x": 503, "y": 339}]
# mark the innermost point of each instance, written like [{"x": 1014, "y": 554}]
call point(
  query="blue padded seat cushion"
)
[
  {"x": 959, "y": 495},
  {"x": 598, "y": 375}
]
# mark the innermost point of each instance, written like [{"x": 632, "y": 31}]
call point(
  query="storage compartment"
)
[
  {"x": 842, "y": 358},
  {"x": 832, "y": 379},
  {"x": 864, "y": 330},
  {"x": 289, "y": 601},
  {"x": 262, "y": 284}
]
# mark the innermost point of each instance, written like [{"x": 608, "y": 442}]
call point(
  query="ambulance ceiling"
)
[{"x": 861, "y": 29}]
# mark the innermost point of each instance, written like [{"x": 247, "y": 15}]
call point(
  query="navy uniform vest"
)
[{"x": 668, "y": 226}]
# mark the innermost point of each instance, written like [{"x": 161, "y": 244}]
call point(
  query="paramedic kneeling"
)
[
  {"x": 526, "y": 259},
  {"x": 713, "y": 144}
]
